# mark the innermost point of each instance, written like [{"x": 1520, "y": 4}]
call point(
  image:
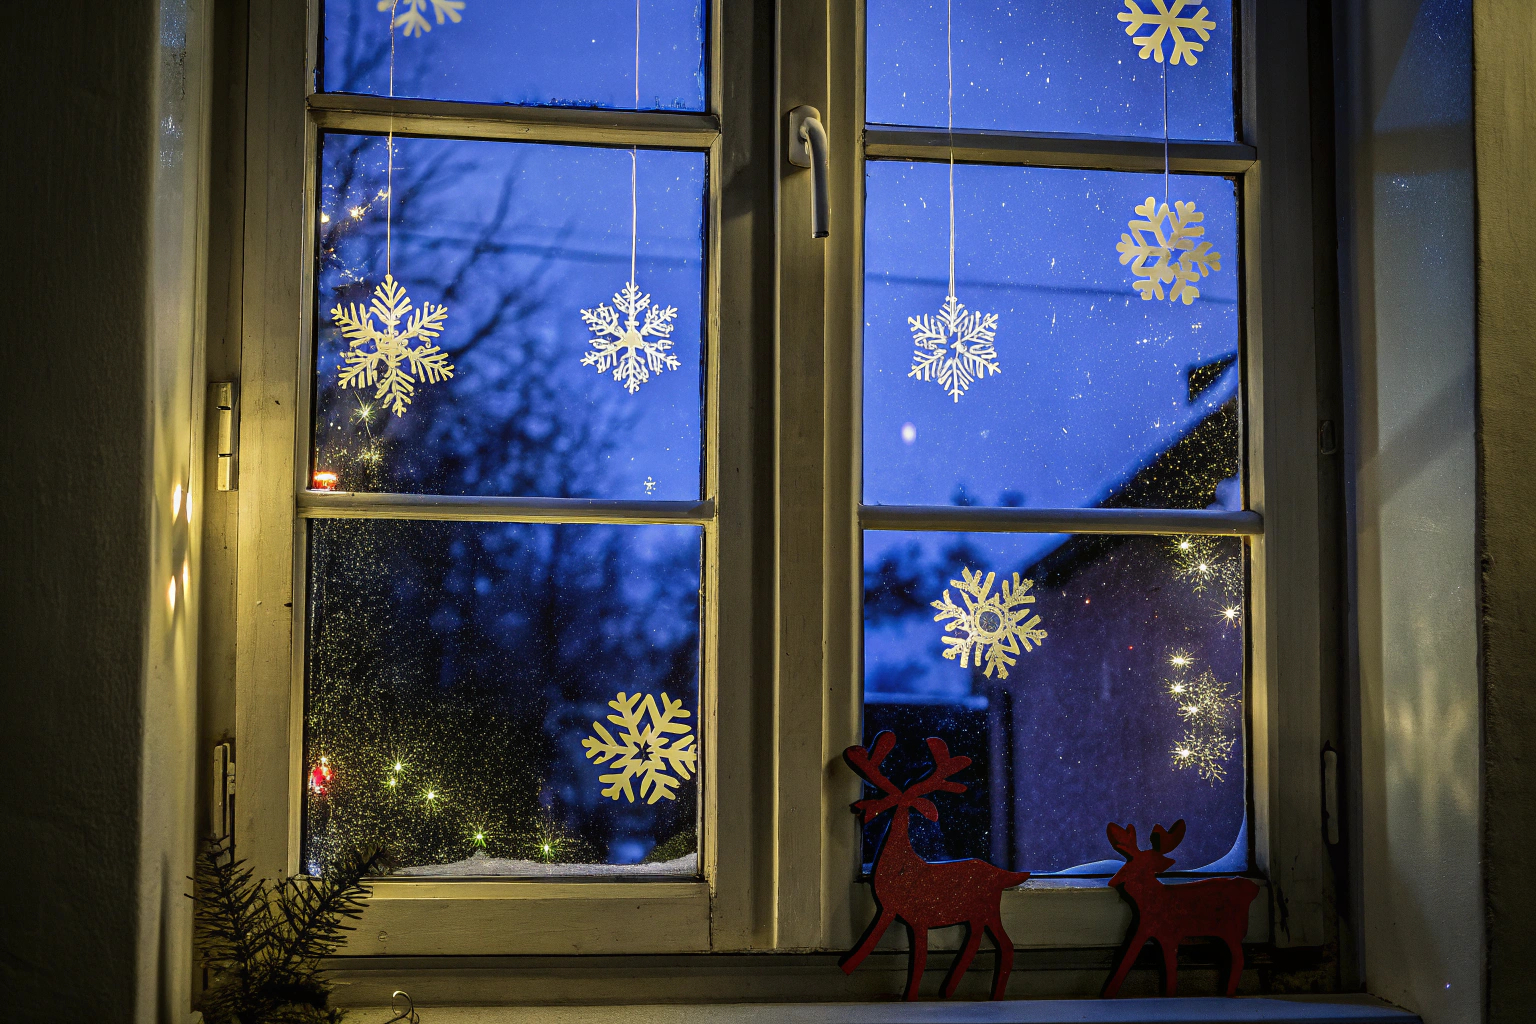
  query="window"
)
[{"x": 442, "y": 586}]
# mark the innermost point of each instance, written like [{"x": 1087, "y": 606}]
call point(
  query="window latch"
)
[
  {"x": 223, "y": 402},
  {"x": 222, "y": 792},
  {"x": 808, "y": 148}
]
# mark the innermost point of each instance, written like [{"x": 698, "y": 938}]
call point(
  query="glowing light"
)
[
  {"x": 1179, "y": 661},
  {"x": 431, "y": 794},
  {"x": 1177, "y": 688},
  {"x": 186, "y": 575},
  {"x": 176, "y": 501},
  {"x": 909, "y": 432},
  {"x": 546, "y": 849},
  {"x": 399, "y": 766},
  {"x": 1230, "y": 613},
  {"x": 1183, "y": 752},
  {"x": 325, "y": 481},
  {"x": 325, "y": 218},
  {"x": 356, "y": 212},
  {"x": 1184, "y": 545},
  {"x": 393, "y": 782},
  {"x": 170, "y": 594}
]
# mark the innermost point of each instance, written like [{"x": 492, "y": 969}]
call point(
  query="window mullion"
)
[
  {"x": 1041, "y": 149},
  {"x": 972, "y": 519},
  {"x": 345, "y": 112},
  {"x": 464, "y": 508}
]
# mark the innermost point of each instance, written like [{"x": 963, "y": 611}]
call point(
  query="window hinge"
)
[
  {"x": 223, "y": 402},
  {"x": 221, "y": 822}
]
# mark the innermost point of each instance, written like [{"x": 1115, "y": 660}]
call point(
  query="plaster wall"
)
[
  {"x": 97, "y": 412},
  {"x": 1406, "y": 199}
]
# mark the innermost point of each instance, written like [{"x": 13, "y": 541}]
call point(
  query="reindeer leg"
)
[
  {"x": 919, "y": 961},
  {"x": 963, "y": 960},
  {"x": 1004, "y": 957},
  {"x": 1127, "y": 959},
  {"x": 1170, "y": 966},
  {"x": 1235, "y": 968},
  {"x": 872, "y": 936}
]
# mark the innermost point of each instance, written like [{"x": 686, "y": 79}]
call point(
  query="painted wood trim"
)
[
  {"x": 348, "y": 112},
  {"x": 339, "y": 505},
  {"x": 1042, "y": 149},
  {"x": 1085, "y": 520}
]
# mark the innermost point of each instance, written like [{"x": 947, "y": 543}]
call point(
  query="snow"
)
[{"x": 481, "y": 865}]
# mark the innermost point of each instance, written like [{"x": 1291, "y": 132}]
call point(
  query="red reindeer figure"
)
[
  {"x": 923, "y": 895},
  {"x": 1211, "y": 908}
]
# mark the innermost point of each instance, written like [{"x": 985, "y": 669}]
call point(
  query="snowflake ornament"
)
[
  {"x": 413, "y": 17},
  {"x": 1168, "y": 21},
  {"x": 997, "y": 624},
  {"x": 391, "y": 350},
  {"x": 633, "y": 350},
  {"x": 954, "y": 348},
  {"x": 1161, "y": 249},
  {"x": 661, "y": 753}
]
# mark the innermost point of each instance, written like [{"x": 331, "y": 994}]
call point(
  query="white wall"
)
[{"x": 1407, "y": 265}]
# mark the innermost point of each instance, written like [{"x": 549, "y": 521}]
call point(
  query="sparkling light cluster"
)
[{"x": 1208, "y": 710}]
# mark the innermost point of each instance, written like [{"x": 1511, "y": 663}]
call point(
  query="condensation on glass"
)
[
  {"x": 577, "y": 53},
  {"x": 1102, "y": 399},
  {"x": 1044, "y": 66},
  {"x": 454, "y": 670},
  {"x": 515, "y": 239},
  {"x": 1129, "y": 709}
]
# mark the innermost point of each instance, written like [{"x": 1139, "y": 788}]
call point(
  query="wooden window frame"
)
[{"x": 780, "y": 683}]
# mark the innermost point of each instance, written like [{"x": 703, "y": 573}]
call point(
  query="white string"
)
[
  {"x": 1165, "y": 134},
  {"x": 949, "y": 28},
  {"x": 634, "y": 159},
  {"x": 389, "y": 174}
]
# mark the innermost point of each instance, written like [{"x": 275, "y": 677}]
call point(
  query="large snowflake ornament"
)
[
  {"x": 1168, "y": 22},
  {"x": 384, "y": 357},
  {"x": 1162, "y": 250},
  {"x": 999, "y": 625},
  {"x": 954, "y": 348},
  {"x": 631, "y": 349},
  {"x": 410, "y": 15},
  {"x": 661, "y": 752}
]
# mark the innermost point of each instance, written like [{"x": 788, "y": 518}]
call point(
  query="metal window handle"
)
[{"x": 808, "y": 148}]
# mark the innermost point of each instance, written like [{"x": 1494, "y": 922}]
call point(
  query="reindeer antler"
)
[
  {"x": 1123, "y": 840},
  {"x": 866, "y": 763},
  {"x": 1164, "y": 840}
]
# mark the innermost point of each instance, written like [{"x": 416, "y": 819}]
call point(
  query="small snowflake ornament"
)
[
  {"x": 1162, "y": 250},
  {"x": 410, "y": 15},
  {"x": 661, "y": 752},
  {"x": 1168, "y": 22},
  {"x": 389, "y": 348},
  {"x": 995, "y": 625},
  {"x": 954, "y": 348},
  {"x": 631, "y": 349}
]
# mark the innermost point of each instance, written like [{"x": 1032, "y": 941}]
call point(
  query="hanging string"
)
[
  {"x": 389, "y": 173},
  {"x": 1165, "y": 134},
  {"x": 949, "y": 47},
  {"x": 634, "y": 159}
]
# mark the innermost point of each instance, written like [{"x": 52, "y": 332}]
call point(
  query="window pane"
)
[
  {"x": 1046, "y": 66},
  {"x": 579, "y": 54},
  {"x": 1101, "y": 399},
  {"x": 516, "y": 240},
  {"x": 1128, "y": 709},
  {"x": 454, "y": 671}
]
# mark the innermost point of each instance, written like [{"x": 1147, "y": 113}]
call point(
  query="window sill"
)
[{"x": 1198, "y": 1010}]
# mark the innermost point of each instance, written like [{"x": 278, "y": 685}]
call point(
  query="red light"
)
[{"x": 325, "y": 481}]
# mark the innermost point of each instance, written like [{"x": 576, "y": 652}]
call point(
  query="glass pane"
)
[
  {"x": 580, "y": 53},
  {"x": 455, "y": 673},
  {"x": 1101, "y": 398},
  {"x": 1128, "y": 708},
  {"x": 516, "y": 240},
  {"x": 1048, "y": 66}
]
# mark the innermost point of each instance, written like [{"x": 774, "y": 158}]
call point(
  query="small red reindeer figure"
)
[
  {"x": 923, "y": 895},
  {"x": 1210, "y": 908}
]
